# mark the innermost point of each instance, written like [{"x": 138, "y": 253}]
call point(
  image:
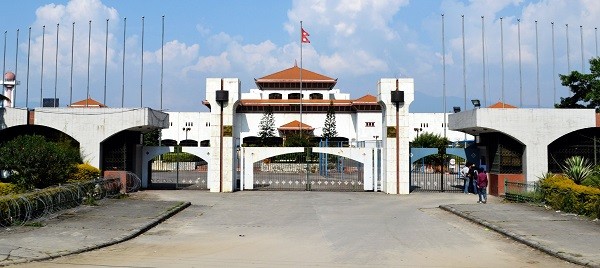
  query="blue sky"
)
[{"x": 357, "y": 42}]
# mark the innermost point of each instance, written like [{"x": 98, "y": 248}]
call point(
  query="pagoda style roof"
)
[
  {"x": 501, "y": 105},
  {"x": 296, "y": 125},
  {"x": 289, "y": 79},
  {"x": 89, "y": 102}
]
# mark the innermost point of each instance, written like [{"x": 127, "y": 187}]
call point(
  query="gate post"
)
[
  {"x": 395, "y": 96},
  {"x": 223, "y": 95}
]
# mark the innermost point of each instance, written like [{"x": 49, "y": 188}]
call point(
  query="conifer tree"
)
[
  {"x": 329, "y": 130},
  {"x": 267, "y": 125}
]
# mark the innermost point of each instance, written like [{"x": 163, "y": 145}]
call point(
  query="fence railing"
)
[{"x": 522, "y": 192}]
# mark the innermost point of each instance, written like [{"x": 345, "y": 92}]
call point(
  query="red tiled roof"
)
[
  {"x": 89, "y": 102},
  {"x": 501, "y": 105},
  {"x": 366, "y": 99},
  {"x": 295, "y": 125},
  {"x": 293, "y": 74}
]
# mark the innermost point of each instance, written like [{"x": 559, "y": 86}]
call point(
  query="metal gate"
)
[
  {"x": 434, "y": 171},
  {"x": 178, "y": 171},
  {"x": 308, "y": 171}
]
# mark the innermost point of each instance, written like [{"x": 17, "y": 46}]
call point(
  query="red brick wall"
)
[
  {"x": 496, "y": 183},
  {"x": 122, "y": 175}
]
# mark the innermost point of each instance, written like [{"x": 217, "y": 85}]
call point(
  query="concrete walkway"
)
[
  {"x": 260, "y": 228},
  {"x": 563, "y": 235},
  {"x": 82, "y": 229}
]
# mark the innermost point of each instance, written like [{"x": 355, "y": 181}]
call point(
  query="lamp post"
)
[
  {"x": 186, "y": 130},
  {"x": 418, "y": 129},
  {"x": 476, "y": 103}
]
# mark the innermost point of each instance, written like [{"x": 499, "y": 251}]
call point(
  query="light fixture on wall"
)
[
  {"x": 476, "y": 103},
  {"x": 456, "y": 109}
]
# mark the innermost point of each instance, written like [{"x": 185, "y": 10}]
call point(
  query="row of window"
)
[
  {"x": 189, "y": 124},
  {"x": 295, "y": 96}
]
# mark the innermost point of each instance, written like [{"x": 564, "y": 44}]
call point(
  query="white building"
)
[{"x": 358, "y": 120}]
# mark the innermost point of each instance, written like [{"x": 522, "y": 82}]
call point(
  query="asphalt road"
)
[{"x": 308, "y": 229}]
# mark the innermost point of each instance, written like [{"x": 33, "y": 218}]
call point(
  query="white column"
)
[
  {"x": 222, "y": 180},
  {"x": 395, "y": 154}
]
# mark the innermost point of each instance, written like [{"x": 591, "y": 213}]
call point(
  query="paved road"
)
[{"x": 307, "y": 229}]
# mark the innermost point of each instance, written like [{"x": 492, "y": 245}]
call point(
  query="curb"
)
[
  {"x": 518, "y": 238},
  {"x": 134, "y": 233}
]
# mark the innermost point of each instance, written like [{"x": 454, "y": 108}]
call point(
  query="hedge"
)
[{"x": 563, "y": 194}]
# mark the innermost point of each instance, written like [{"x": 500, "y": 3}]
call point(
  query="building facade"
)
[{"x": 358, "y": 120}]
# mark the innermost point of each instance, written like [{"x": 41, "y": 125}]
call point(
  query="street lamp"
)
[
  {"x": 476, "y": 103},
  {"x": 418, "y": 129},
  {"x": 186, "y": 129},
  {"x": 376, "y": 137}
]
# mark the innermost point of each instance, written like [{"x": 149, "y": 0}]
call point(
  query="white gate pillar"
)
[
  {"x": 395, "y": 96},
  {"x": 223, "y": 95}
]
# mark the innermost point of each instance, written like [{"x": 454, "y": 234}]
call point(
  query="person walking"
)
[
  {"x": 482, "y": 182},
  {"x": 472, "y": 176},
  {"x": 464, "y": 173}
]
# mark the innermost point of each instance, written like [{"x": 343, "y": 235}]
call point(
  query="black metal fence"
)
[
  {"x": 178, "y": 174},
  {"x": 308, "y": 172},
  {"x": 522, "y": 192}
]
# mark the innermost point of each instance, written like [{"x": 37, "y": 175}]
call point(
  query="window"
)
[
  {"x": 369, "y": 124},
  {"x": 275, "y": 96},
  {"x": 294, "y": 96},
  {"x": 316, "y": 96}
]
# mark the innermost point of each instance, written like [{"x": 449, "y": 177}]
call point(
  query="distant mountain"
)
[{"x": 424, "y": 103}]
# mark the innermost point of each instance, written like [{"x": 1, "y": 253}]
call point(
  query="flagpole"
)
[
  {"x": 28, "y": 57},
  {"x": 42, "y": 66},
  {"x": 87, "y": 97},
  {"x": 301, "y": 36},
  {"x": 71, "y": 82},
  {"x": 56, "y": 66},
  {"x": 16, "y": 68}
]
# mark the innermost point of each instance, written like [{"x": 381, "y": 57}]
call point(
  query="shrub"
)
[
  {"x": 7, "y": 188},
  {"x": 562, "y": 193},
  {"x": 179, "y": 157},
  {"x": 592, "y": 181},
  {"x": 37, "y": 163},
  {"x": 84, "y": 172}
]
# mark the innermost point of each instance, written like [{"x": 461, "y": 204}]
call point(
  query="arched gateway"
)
[{"x": 357, "y": 165}]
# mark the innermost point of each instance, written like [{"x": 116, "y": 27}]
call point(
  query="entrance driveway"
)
[{"x": 306, "y": 229}]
